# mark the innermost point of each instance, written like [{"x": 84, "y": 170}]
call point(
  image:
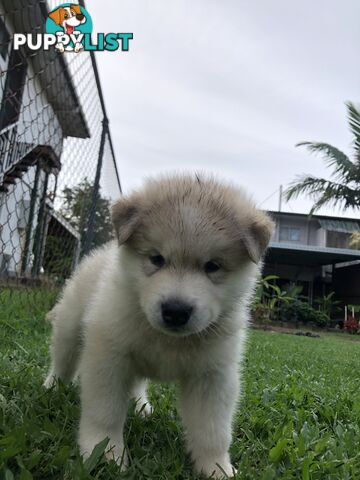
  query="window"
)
[
  {"x": 337, "y": 239},
  {"x": 290, "y": 234},
  {"x": 13, "y": 90}
]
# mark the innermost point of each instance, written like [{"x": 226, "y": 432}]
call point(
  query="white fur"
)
[{"x": 106, "y": 326}]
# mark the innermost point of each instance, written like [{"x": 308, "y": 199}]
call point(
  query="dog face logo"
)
[
  {"x": 69, "y": 22},
  {"x": 69, "y": 28},
  {"x": 68, "y": 17}
]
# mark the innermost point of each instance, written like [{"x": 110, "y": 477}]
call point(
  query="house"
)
[
  {"x": 39, "y": 107},
  {"x": 315, "y": 252}
]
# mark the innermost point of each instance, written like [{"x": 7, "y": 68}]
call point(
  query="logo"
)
[{"x": 69, "y": 29}]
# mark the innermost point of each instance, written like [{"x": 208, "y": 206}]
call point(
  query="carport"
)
[{"x": 317, "y": 268}]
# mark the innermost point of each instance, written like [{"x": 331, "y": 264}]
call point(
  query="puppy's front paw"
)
[
  {"x": 60, "y": 47},
  {"x": 119, "y": 455},
  {"x": 211, "y": 467},
  {"x": 113, "y": 451},
  {"x": 78, "y": 47},
  {"x": 50, "y": 381}
]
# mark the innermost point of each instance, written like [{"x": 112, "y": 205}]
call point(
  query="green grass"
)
[{"x": 299, "y": 417}]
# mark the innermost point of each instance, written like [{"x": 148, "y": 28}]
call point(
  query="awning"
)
[
  {"x": 282, "y": 253},
  {"x": 344, "y": 226}
]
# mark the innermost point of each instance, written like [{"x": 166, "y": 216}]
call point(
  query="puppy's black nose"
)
[
  {"x": 175, "y": 313},
  {"x": 80, "y": 16}
]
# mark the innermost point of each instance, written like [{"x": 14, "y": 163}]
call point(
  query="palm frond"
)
[
  {"x": 304, "y": 184},
  {"x": 344, "y": 188},
  {"x": 354, "y": 122},
  {"x": 323, "y": 192},
  {"x": 344, "y": 168}
]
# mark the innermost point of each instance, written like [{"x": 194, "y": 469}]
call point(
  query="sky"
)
[{"x": 229, "y": 87}]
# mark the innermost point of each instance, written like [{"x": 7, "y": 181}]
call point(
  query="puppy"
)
[
  {"x": 68, "y": 18},
  {"x": 167, "y": 301}
]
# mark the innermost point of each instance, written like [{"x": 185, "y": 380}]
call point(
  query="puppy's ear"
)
[
  {"x": 258, "y": 235},
  {"x": 55, "y": 16},
  {"x": 76, "y": 8},
  {"x": 125, "y": 217}
]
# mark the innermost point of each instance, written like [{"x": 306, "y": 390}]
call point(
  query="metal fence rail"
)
[{"x": 58, "y": 171}]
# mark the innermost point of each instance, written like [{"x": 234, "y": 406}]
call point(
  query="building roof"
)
[
  {"x": 312, "y": 217},
  {"x": 308, "y": 255},
  {"x": 50, "y": 68},
  {"x": 62, "y": 221}
]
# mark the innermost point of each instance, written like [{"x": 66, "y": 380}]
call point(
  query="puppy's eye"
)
[
  {"x": 66, "y": 15},
  {"x": 157, "y": 260},
  {"x": 211, "y": 267}
]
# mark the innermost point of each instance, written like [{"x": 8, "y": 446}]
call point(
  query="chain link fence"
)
[{"x": 58, "y": 172}]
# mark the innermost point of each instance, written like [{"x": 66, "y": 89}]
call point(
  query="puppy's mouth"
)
[
  {"x": 176, "y": 331},
  {"x": 69, "y": 29}
]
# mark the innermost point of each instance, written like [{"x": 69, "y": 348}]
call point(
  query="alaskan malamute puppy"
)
[{"x": 167, "y": 301}]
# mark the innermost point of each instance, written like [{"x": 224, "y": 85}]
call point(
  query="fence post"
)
[
  {"x": 39, "y": 238},
  {"x": 28, "y": 235},
  {"x": 95, "y": 193}
]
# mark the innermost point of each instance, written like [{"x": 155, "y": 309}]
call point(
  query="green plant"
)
[
  {"x": 268, "y": 299},
  {"x": 355, "y": 240},
  {"x": 328, "y": 304},
  {"x": 344, "y": 188},
  {"x": 58, "y": 257},
  {"x": 299, "y": 311},
  {"x": 263, "y": 285},
  {"x": 276, "y": 299}
]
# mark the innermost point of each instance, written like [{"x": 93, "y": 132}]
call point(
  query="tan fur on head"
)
[
  {"x": 76, "y": 8},
  {"x": 259, "y": 233},
  {"x": 205, "y": 207},
  {"x": 125, "y": 217},
  {"x": 58, "y": 15}
]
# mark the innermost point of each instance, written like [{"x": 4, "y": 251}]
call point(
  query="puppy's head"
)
[
  {"x": 191, "y": 250},
  {"x": 68, "y": 17}
]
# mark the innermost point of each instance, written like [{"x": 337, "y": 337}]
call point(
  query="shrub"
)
[
  {"x": 297, "y": 310},
  {"x": 320, "y": 318},
  {"x": 351, "y": 325}
]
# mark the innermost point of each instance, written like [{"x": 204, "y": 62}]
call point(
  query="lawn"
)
[{"x": 299, "y": 416}]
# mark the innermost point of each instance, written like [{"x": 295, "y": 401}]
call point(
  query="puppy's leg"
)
[
  {"x": 65, "y": 347},
  {"x": 78, "y": 47},
  {"x": 207, "y": 404},
  {"x": 105, "y": 387},
  {"x": 60, "y": 47},
  {"x": 143, "y": 406}
]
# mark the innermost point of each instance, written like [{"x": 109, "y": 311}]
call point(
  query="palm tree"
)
[
  {"x": 343, "y": 189},
  {"x": 355, "y": 240}
]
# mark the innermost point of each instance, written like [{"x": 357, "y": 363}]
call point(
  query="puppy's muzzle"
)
[{"x": 175, "y": 313}]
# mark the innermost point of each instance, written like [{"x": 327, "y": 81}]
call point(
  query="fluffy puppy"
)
[{"x": 167, "y": 301}]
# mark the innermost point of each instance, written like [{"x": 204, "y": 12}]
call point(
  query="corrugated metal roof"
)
[{"x": 344, "y": 226}]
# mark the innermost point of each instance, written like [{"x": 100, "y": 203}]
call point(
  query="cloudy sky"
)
[{"x": 229, "y": 87}]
